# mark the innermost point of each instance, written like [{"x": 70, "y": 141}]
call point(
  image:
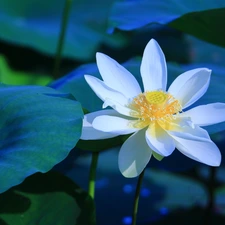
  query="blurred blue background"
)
[{"x": 176, "y": 190}]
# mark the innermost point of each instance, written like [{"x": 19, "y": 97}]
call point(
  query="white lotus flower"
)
[{"x": 156, "y": 117}]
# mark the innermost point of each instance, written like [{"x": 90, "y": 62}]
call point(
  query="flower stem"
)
[
  {"x": 136, "y": 200},
  {"x": 63, "y": 26},
  {"x": 92, "y": 174},
  {"x": 211, "y": 203}
]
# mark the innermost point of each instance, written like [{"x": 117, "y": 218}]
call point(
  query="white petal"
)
[
  {"x": 117, "y": 77},
  {"x": 114, "y": 124},
  {"x": 205, "y": 115},
  {"x": 134, "y": 155},
  {"x": 103, "y": 91},
  {"x": 159, "y": 141},
  {"x": 119, "y": 108},
  {"x": 153, "y": 67},
  {"x": 88, "y": 132},
  {"x": 190, "y": 86},
  {"x": 196, "y": 144}
]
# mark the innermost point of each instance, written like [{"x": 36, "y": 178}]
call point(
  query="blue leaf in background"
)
[
  {"x": 144, "y": 12},
  {"x": 36, "y": 24},
  {"x": 75, "y": 84},
  {"x": 39, "y": 126},
  {"x": 162, "y": 191},
  {"x": 202, "y": 19},
  {"x": 204, "y": 52}
]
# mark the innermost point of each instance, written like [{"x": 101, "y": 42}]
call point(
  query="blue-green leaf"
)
[
  {"x": 39, "y": 126},
  {"x": 36, "y": 24},
  {"x": 202, "y": 19},
  {"x": 144, "y": 12},
  {"x": 75, "y": 84},
  {"x": 47, "y": 199}
]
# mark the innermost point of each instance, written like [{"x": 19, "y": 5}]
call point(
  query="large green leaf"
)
[
  {"x": 39, "y": 126},
  {"x": 205, "y": 25},
  {"x": 204, "y": 19},
  {"x": 47, "y": 199},
  {"x": 36, "y": 24}
]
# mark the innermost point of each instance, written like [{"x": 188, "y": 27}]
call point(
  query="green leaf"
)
[
  {"x": 203, "y": 19},
  {"x": 205, "y": 25},
  {"x": 36, "y": 24},
  {"x": 9, "y": 76},
  {"x": 39, "y": 126},
  {"x": 47, "y": 199}
]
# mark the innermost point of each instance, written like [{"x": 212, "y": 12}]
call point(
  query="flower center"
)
[
  {"x": 154, "y": 106},
  {"x": 156, "y": 97}
]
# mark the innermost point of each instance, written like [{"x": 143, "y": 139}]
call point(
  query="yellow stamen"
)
[{"x": 154, "y": 106}]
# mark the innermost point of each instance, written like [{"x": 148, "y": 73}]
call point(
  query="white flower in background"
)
[{"x": 156, "y": 117}]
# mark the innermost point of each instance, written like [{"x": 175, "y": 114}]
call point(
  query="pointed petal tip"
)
[
  {"x": 86, "y": 76},
  {"x": 153, "y": 41},
  {"x": 218, "y": 162},
  {"x": 215, "y": 159},
  {"x": 201, "y": 69},
  {"x": 205, "y": 69},
  {"x": 100, "y": 55},
  {"x": 89, "y": 79},
  {"x": 214, "y": 164}
]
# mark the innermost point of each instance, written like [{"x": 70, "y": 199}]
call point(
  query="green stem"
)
[
  {"x": 211, "y": 202},
  {"x": 63, "y": 26},
  {"x": 92, "y": 174},
  {"x": 136, "y": 200}
]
